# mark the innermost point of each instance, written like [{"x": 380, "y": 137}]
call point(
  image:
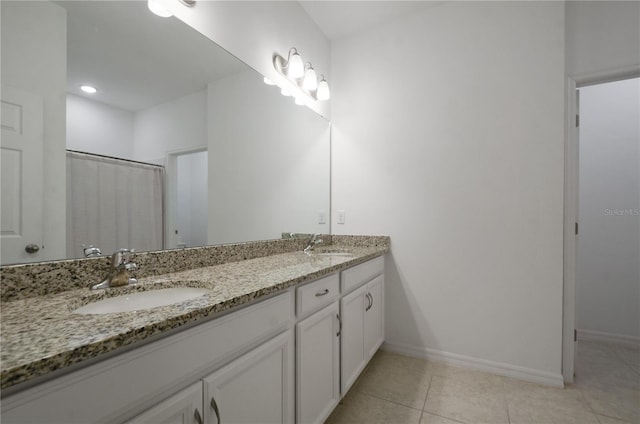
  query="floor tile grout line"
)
[
  {"x": 364, "y": 392},
  {"x": 425, "y": 399},
  {"x": 504, "y": 396}
]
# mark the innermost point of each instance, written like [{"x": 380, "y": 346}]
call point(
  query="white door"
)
[
  {"x": 352, "y": 355},
  {"x": 256, "y": 388},
  {"x": 374, "y": 316},
  {"x": 185, "y": 407},
  {"x": 21, "y": 196},
  {"x": 318, "y": 368}
]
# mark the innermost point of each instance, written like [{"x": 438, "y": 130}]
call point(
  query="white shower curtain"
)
[{"x": 113, "y": 204}]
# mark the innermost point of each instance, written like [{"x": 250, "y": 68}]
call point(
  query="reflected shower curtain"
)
[{"x": 113, "y": 204}]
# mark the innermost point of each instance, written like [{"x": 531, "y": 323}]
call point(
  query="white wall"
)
[
  {"x": 254, "y": 31},
  {"x": 98, "y": 128},
  {"x": 179, "y": 124},
  {"x": 268, "y": 155},
  {"x": 448, "y": 136},
  {"x": 34, "y": 59},
  {"x": 603, "y": 38},
  {"x": 192, "y": 198},
  {"x": 608, "y": 261}
]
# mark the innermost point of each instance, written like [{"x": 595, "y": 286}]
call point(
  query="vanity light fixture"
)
[
  {"x": 158, "y": 7},
  {"x": 323, "y": 92},
  {"x": 294, "y": 67},
  {"x": 302, "y": 79},
  {"x": 89, "y": 89},
  {"x": 310, "y": 81}
]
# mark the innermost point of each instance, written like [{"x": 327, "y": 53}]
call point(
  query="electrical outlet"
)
[{"x": 341, "y": 217}]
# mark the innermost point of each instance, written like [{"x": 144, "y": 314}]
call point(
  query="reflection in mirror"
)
[{"x": 238, "y": 161}]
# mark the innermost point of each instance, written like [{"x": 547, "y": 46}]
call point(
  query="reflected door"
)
[{"x": 21, "y": 196}]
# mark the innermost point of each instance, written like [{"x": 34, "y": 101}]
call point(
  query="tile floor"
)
[{"x": 396, "y": 389}]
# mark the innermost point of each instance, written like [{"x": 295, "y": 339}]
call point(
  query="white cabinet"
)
[
  {"x": 318, "y": 365},
  {"x": 374, "y": 317},
  {"x": 121, "y": 387},
  {"x": 255, "y": 388},
  {"x": 185, "y": 407},
  {"x": 362, "y": 313},
  {"x": 244, "y": 367}
]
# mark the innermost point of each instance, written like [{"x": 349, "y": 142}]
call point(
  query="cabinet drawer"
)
[
  {"x": 360, "y": 274},
  {"x": 314, "y": 296}
]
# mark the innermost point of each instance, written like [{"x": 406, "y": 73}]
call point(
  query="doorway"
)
[
  {"x": 602, "y": 216},
  {"x": 187, "y": 199}
]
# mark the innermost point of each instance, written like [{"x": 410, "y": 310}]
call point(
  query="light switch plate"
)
[{"x": 322, "y": 217}]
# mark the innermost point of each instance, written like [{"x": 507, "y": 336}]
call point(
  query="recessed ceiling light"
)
[
  {"x": 159, "y": 9},
  {"x": 88, "y": 89}
]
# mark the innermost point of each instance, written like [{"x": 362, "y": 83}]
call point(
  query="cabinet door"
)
[
  {"x": 255, "y": 388},
  {"x": 318, "y": 365},
  {"x": 184, "y": 407},
  {"x": 374, "y": 316},
  {"x": 352, "y": 356}
]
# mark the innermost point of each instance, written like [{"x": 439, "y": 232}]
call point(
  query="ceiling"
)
[
  {"x": 338, "y": 19},
  {"x": 136, "y": 59}
]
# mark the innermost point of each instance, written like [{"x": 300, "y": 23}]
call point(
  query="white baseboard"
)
[
  {"x": 601, "y": 336},
  {"x": 499, "y": 368}
]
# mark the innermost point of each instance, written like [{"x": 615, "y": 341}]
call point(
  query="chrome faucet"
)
[
  {"x": 119, "y": 274},
  {"x": 311, "y": 243}
]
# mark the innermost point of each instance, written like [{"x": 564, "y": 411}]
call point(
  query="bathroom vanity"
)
[{"x": 278, "y": 339}]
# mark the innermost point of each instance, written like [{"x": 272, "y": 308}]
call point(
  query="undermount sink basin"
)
[
  {"x": 141, "y": 300},
  {"x": 333, "y": 252}
]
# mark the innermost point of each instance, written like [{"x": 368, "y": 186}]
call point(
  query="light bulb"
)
[
  {"x": 310, "y": 82},
  {"x": 268, "y": 81},
  {"x": 295, "y": 67},
  {"x": 158, "y": 8},
  {"x": 323, "y": 90},
  {"x": 88, "y": 89}
]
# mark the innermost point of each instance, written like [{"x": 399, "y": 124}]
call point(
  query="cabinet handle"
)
[
  {"x": 197, "y": 416},
  {"x": 370, "y": 298},
  {"x": 323, "y": 293},
  {"x": 339, "y": 325},
  {"x": 214, "y": 405}
]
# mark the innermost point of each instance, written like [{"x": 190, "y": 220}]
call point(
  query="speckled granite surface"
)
[
  {"x": 40, "y": 334},
  {"x": 40, "y": 279}
]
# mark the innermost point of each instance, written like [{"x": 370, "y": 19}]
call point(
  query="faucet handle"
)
[
  {"x": 91, "y": 251},
  {"x": 121, "y": 257},
  {"x": 131, "y": 266}
]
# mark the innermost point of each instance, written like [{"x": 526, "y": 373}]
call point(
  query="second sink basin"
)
[
  {"x": 141, "y": 300},
  {"x": 332, "y": 252}
]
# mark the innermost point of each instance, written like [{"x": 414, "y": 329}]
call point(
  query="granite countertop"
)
[{"x": 42, "y": 334}]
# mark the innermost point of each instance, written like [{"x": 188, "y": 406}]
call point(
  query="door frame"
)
[
  {"x": 171, "y": 169},
  {"x": 571, "y": 189}
]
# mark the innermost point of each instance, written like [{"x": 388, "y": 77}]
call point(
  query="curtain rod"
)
[{"x": 116, "y": 158}]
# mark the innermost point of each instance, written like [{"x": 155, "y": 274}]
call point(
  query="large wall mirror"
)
[{"x": 182, "y": 145}]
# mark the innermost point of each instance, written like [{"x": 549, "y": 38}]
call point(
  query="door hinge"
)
[
  {"x": 575, "y": 335},
  {"x": 577, "y": 120},
  {"x": 576, "y": 228}
]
